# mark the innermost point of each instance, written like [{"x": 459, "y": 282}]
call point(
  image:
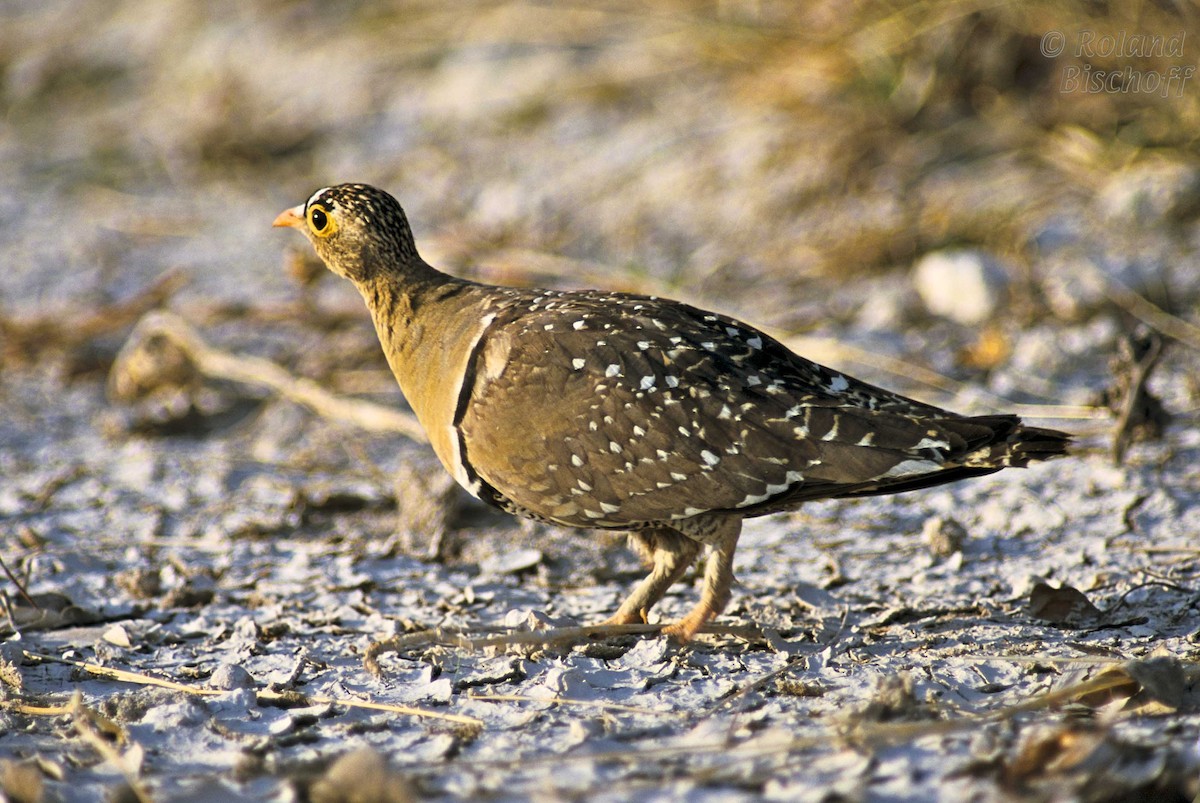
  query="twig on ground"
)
[
  {"x": 558, "y": 635},
  {"x": 20, "y": 586},
  {"x": 142, "y": 365}
]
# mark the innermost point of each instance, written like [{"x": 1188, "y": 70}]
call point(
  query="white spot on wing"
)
[
  {"x": 839, "y": 383},
  {"x": 578, "y": 363},
  {"x": 908, "y": 468},
  {"x": 612, "y": 370}
]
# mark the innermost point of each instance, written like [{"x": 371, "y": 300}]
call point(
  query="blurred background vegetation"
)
[{"x": 752, "y": 154}]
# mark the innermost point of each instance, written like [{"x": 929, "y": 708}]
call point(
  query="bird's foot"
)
[
  {"x": 625, "y": 618},
  {"x": 687, "y": 627}
]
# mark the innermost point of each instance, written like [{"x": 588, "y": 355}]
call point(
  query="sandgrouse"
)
[{"x": 628, "y": 412}]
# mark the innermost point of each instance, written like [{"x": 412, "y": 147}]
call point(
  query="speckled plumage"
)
[{"x": 618, "y": 411}]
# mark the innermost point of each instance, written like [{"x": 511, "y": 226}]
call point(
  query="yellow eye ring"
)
[{"x": 320, "y": 221}]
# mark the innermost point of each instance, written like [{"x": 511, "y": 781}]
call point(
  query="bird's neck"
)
[{"x": 428, "y": 323}]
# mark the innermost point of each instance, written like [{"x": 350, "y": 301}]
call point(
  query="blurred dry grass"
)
[{"x": 705, "y": 146}]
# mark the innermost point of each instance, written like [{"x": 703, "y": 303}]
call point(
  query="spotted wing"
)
[{"x": 614, "y": 411}]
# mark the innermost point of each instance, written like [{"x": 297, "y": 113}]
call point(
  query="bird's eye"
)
[{"x": 319, "y": 221}]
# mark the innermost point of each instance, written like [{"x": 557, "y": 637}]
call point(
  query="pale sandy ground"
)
[{"x": 739, "y": 157}]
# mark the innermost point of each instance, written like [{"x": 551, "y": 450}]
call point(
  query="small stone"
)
[
  {"x": 361, "y": 776},
  {"x": 118, "y": 635},
  {"x": 230, "y": 677},
  {"x": 944, "y": 536},
  {"x": 511, "y": 562},
  {"x": 965, "y": 286}
]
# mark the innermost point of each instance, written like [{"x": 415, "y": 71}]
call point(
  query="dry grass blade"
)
[
  {"x": 1145, "y": 310},
  {"x": 29, "y": 709},
  {"x": 130, "y": 373},
  {"x": 263, "y": 696},
  {"x": 567, "y": 701}
]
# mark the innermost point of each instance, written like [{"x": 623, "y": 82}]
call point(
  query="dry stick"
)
[
  {"x": 444, "y": 637},
  {"x": 1136, "y": 397},
  {"x": 264, "y": 373},
  {"x": 20, "y": 587},
  {"x": 263, "y": 696}
]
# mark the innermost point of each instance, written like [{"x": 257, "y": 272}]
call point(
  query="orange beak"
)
[{"x": 293, "y": 217}]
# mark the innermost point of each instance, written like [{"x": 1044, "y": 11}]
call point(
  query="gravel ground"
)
[{"x": 834, "y": 174}]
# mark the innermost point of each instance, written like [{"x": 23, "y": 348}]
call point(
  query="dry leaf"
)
[{"x": 1065, "y": 605}]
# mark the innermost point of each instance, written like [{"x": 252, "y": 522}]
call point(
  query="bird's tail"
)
[
  {"x": 994, "y": 442},
  {"x": 1015, "y": 444}
]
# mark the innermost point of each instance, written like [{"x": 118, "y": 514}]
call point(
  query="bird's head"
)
[{"x": 356, "y": 229}]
